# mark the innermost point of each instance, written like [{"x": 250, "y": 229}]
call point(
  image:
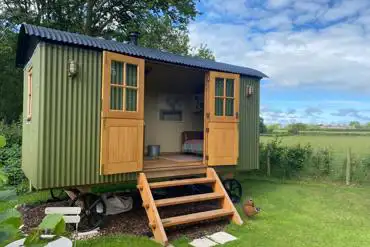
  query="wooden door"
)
[
  {"x": 122, "y": 114},
  {"x": 221, "y": 141}
]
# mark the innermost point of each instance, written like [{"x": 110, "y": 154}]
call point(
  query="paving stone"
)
[
  {"x": 202, "y": 242},
  {"x": 221, "y": 237}
]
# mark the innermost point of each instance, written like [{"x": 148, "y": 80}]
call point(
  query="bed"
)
[{"x": 192, "y": 142}]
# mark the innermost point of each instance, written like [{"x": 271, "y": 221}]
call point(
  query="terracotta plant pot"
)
[{"x": 249, "y": 208}]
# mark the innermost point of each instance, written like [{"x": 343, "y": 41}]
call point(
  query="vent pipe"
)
[{"x": 134, "y": 36}]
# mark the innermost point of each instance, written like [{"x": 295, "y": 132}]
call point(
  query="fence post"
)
[
  {"x": 348, "y": 167},
  {"x": 268, "y": 161}
]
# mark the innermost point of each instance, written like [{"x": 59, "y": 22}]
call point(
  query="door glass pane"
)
[
  {"x": 219, "y": 106},
  {"x": 219, "y": 87},
  {"x": 229, "y": 87},
  {"x": 131, "y": 75},
  {"x": 229, "y": 107},
  {"x": 131, "y": 99},
  {"x": 116, "y": 71},
  {"x": 116, "y": 96}
]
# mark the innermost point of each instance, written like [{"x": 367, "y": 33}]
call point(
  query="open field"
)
[{"x": 293, "y": 214}]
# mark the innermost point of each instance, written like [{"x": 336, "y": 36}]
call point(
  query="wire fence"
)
[{"x": 345, "y": 162}]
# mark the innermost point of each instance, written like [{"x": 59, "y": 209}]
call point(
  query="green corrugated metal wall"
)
[
  {"x": 249, "y": 124},
  {"x": 69, "y": 148},
  {"x": 31, "y": 131}
]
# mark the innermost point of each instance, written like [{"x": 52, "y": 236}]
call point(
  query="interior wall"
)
[{"x": 164, "y": 83}]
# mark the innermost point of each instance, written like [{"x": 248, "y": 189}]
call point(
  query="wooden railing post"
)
[
  {"x": 348, "y": 167},
  {"x": 268, "y": 161}
]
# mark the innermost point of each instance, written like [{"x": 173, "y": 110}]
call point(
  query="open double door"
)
[{"x": 122, "y": 116}]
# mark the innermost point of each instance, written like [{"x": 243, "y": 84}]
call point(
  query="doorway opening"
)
[{"x": 173, "y": 114}]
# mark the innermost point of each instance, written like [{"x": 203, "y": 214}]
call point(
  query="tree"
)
[
  {"x": 160, "y": 34},
  {"x": 162, "y": 24},
  {"x": 263, "y": 128},
  {"x": 203, "y": 51},
  {"x": 113, "y": 18},
  {"x": 272, "y": 127},
  {"x": 11, "y": 83},
  {"x": 355, "y": 124},
  {"x": 296, "y": 127}
]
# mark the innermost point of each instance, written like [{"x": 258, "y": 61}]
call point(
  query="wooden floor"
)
[{"x": 164, "y": 166}]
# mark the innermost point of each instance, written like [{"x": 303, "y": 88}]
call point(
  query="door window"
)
[
  {"x": 124, "y": 87},
  {"x": 224, "y": 96}
]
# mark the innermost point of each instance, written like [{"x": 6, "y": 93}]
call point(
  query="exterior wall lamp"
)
[
  {"x": 72, "y": 68},
  {"x": 249, "y": 91}
]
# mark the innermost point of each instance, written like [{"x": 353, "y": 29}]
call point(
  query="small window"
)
[
  {"x": 29, "y": 94},
  {"x": 124, "y": 87},
  {"x": 170, "y": 115},
  {"x": 224, "y": 97}
]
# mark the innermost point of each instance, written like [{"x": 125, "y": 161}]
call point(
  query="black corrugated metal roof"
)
[{"x": 53, "y": 35}]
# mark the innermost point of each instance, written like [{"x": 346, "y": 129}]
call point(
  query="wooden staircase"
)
[{"x": 151, "y": 206}]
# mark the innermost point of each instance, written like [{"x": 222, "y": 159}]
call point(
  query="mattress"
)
[{"x": 193, "y": 146}]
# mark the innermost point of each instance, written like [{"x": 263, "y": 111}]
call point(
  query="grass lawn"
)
[
  {"x": 293, "y": 214},
  {"x": 306, "y": 215}
]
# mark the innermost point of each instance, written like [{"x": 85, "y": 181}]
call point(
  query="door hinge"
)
[
  {"x": 207, "y": 157},
  {"x": 237, "y": 115},
  {"x": 207, "y": 130},
  {"x": 208, "y": 115}
]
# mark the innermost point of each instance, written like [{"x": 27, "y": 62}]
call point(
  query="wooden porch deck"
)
[{"x": 168, "y": 166}]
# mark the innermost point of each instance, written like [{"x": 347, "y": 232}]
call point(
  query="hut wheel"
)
[
  {"x": 93, "y": 211},
  {"x": 234, "y": 189}
]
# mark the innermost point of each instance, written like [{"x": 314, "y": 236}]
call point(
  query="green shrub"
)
[
  {"x": 285, "y": 161},
  {"x": 360, "y": 169},
  {"x": 320, "y": 163},
  {"x": 10, "y": 220},
  {"x": 12, "y": 132},
  {"x": 10, "y": 154},
  {"x": 303, "y": 161},
  {"x": 10, "y": 158}
]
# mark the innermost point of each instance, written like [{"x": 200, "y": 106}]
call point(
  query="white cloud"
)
[
  {"x": 345, "y": 9},
  {"x": 236, "y": 8},
  {"x": 281, "y": 22},
  {"x": 308, "y": 6},
  {"x": 278, "y": 3},
  {"x": 335, "y": 56},
  {"x": 318, "y": 111}
]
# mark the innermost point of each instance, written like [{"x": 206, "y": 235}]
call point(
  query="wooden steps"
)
[
  {"x": 196, "y": 217},
  {"x": 188, "y": 199},
  {"x": 181, "y": 182},
  {"x": 151, "y": 206}
]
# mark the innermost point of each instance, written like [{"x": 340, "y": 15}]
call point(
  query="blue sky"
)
[{"x": 316, "y": 53}]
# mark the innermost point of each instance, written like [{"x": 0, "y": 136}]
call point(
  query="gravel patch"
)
[{"x": 135, "y": 222}]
